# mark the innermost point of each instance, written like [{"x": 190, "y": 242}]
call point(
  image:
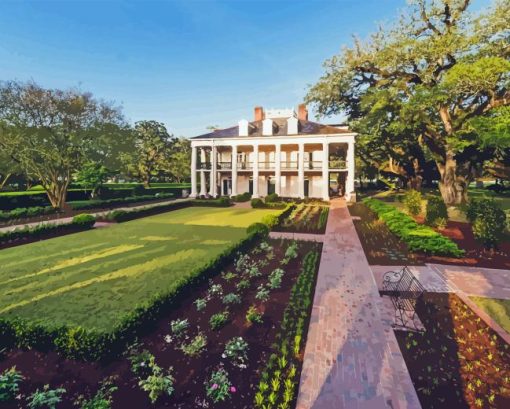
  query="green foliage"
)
[
  {"x": 140, "y": 362},
  {"x": 236, "y": 350},
  {"x": 417, "y": 237},
  {"x": 139, "y": 190},
  {"x": 262, "y": 293},
  {"x": 25, "y": 212},
  {"x": 195, "y": 346},
  {"x": 91, "y": 176},
  {"x": 258, "y": 228},
  {"x": 84, "y": 220},
  {"x": 412, "y": 202},
  {"x": 275, "y": 278},
  {"x": 270, "y": 220},
  {"x": 231, "y": 298},
  {"x": 437, "y": 213},
  {"x": 243, "y": 197},
  {"x": 219, "y": 319},
  {"x": 218, "y": 387},
  {"x": 101, "y": 400},
  {"x": 179, "y": 327},
  {"x": 9, "y": 384},
  {"x": 158, "y": 383},
  {"x": 253, "y": 315},
  {"x": 95, "y": 204},
  {"x": 200, "y": 303},
  {"x": 488, "y": 221},
  {"x": 46, "y": 398},
  {"x": 257, "y": 203},
  {"x": 220, "y": 202},
  {"x": 272, "y": 198}
]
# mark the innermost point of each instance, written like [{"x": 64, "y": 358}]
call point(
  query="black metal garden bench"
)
[{"x": 404, "y": 289}]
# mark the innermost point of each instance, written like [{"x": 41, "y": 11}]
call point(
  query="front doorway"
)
[
  {"x": 250, "y": 186},
  {"x": 227, "y": 187},
  {"x": 307, "y": 187},
  {"x": 271, "y": 186}
]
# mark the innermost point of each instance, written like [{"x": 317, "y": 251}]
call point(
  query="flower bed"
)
[
  {"x": 208, "y": 351},
  {"x": 418, "y": 237},
  {"x": 306, "y": 218},
  {"x": 458, "y": 361}
]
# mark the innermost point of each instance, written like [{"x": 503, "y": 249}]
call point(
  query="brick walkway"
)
[
  {"x": 352, "y": 359},
  {"x": 296, "y": 236}
]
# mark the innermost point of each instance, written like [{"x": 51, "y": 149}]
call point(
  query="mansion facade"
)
[{"x": 280, "y": 152}]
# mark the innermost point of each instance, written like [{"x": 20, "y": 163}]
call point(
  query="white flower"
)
[
  {"x": 142, "y": 364},
  {"x": 168, "y": 339},
  {"x": 223, "y": 356}
]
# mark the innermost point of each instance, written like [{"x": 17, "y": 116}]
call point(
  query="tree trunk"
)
[
  {"x": 4, "y": 181},
  {"x": 414, "y": 182},
  {"x": 452, "y": 186}
]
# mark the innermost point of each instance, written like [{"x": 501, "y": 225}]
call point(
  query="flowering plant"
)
[
  {"x": 179, "y": 326},
  {"x": 218, "y": 387},
  {"x": 236, "y": 351}
]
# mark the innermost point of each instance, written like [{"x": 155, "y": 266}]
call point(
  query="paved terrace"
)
[{"x": 352, "y": 359}]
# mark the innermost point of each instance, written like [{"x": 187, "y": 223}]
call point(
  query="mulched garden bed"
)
[
  {"x": 305, "y": 218},
  {"x": 383, "y": 248},
  {"x": 458, "y": 361},
  {"x": 191, "y": 373}
]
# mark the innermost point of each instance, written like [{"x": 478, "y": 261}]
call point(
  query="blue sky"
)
[{"x": 189, "y": 63}]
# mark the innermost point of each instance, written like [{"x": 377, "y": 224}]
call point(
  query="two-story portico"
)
[{"x": 279, "y": 152}]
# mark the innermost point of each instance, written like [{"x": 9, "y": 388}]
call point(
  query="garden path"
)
[
  {"x": 352, "y": 358},
  {"x": 69, "y": 219}
]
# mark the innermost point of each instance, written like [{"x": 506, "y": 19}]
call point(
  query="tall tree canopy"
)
[
  {"x": 50, "y": 132},
  {"x": 149, "y": 158},
  {"x": 444, "y": 66}
]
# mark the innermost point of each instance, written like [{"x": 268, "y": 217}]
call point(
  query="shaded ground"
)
[
  {"x": 458, "y": 361},
  {"x": 95, "y": 277},
  {"x": 190, "y": 373},
  {"x": 383, "y": 248},
  {"x": 305, "y": 218}
]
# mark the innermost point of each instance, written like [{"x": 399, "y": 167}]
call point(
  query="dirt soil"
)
[
  {"x": 305, "y": 221},
  {"x": 458, "y": 361},
  {"x": 79, "y": 378},
  {"x": 382, "y": 247}
]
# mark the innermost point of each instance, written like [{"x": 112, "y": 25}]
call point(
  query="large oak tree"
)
[
  {"x": 445, "y": 65},
  {"x": 51, "y": 132}
]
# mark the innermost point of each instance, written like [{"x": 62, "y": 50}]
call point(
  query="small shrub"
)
[
  {"x": 253, "y": 315},
  {"x": 140, "y": 362},
  {"x": 488, "y": 221},
  {"x": 231, "y": 298},
  {"x": 9, "y": 384},
  {"x": 257, "y": 203},
  {"x": 254, "y": 272},
  {"x": 262, "y": 293},
  {"x": 437, "y": 213},
  {"x": 270, "y": 220},
  {"x": 412, "y": 202},
  {"x": 179, "y": 326},
  {"x": 101, "y": 400},
  {"x": 275, "y": 278},
  {"x": 291, "y": 251},
  {"x": 272, "y": 198},
  {"x": 200, "y": 303},
  {"x": 47, "y": 398},
  {"x": 236, "y": 350},
  {"x": 218, "y": 387},
  {"x": 138, "y": 190},
  {"x": 258, "y": 228},
  {"x": 243, "y": 197},
  {"x": 243, "y": 285},
  {"x": 84, "y": 220},
  {"x": 219, "y": 320},
  {"x": 215, "y": 289},
  {"x": 195, "y": 346},
  {"x": 159, "y": 382},
  {"x": 229, "y": 275}
]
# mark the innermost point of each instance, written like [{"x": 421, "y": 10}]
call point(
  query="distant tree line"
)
[{"x": 54, "y": 137}]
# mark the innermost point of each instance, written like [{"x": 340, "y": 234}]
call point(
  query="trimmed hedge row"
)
[
  {"x": 120, "y": 216},
  {"x": 79, "y": 222},
  {"x": 418, "y": 237},
  {"x": 94, "y": 204},
  {"x": 80, "y": 343},
  {"x": 25, "y": 212}
]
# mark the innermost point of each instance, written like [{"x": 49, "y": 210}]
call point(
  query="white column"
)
[
  {"x": 325, "y": 171},
  {"x": 234, "y": 170},
  {"x": 255, "y": 171},
  {"x": 278, "y": 169},
  {"x": 301, "y": 171},
  {"x": 193, "y": 171},
  {"x": 213, "y": 191},
  {"x": 349, "y": 184},
  {"x": 203, "y": 188}
]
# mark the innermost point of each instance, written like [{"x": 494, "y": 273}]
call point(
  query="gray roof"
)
[{"x": 255, "y": 127}]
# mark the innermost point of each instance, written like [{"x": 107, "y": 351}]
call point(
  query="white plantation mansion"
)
[{"x": 279, "y": 152}]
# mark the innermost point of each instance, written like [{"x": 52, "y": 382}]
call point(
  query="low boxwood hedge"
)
[
  {"x": 79, "y": 343},
  {"x": 418, "y": 237},
  {"x": 25, "y": 212},
  {"x": 42, "y": 230},
  {"x": 95, "y": 204}
]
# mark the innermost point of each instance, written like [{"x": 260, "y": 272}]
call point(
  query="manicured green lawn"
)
[
  {"x": 498, "y": 309},
  {"x": 92, "y": 278}
]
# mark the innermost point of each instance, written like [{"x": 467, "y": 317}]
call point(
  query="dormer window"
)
[
  {"x": 267, "y": 127},
  {"x": 292, "y": 126},
  {"x": 243, "y": 127}
]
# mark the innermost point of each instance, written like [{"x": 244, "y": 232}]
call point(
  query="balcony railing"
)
[
  {"x": 244, "y": 166},
  {"x": 266, "y": 165},
  {"x": 289, "y": 165},
  {"x": 313, "y": 165},
  {"x": 204, "y": 165},
  {"x": 225, "y": 165},
  {"x": 337, "y": 164}
]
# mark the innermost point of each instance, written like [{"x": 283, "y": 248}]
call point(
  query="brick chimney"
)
[
  {"x": 259, "y": 114},
  {"x": 302, "y": 112}
]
